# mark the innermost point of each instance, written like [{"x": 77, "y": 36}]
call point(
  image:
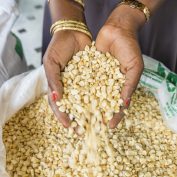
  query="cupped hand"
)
[
  {"x": 122, "y": 43},
  {"x": 63, "y": 46}
]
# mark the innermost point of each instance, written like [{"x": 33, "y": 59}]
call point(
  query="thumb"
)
[{"x": 102, "y": 44}]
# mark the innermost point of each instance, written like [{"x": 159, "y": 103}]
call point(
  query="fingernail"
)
[
  {"x": 127, "y": 102},
  {"x": 54, "y": 96}
]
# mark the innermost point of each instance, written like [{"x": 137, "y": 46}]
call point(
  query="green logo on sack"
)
[
  {"x": 170, "y": 86},
  {"x": 161, "y": 70},
  {"x": 171, "y": 82},
  {"x": 172, "y": 78}
]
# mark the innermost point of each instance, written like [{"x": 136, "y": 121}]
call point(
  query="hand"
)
[
  {"x": 63, "y": 46},
  {"x": 120, "y": 40}
]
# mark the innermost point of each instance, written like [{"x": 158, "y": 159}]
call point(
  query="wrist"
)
[
  {"x": 127, "y": 18},
  {"x": 65, "y": 9}
]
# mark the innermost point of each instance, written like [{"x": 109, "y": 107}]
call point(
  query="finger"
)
[
  {"x": 132, "y": 66},
  {"x": 118, "y": 116},
  {"x": 62, "y": 117},
  {"x": 52, "y": 71},
  {"x": 133, "y": 74},
  {"x": 55, "y": 89},
  {"x": 116, "y": 119}
]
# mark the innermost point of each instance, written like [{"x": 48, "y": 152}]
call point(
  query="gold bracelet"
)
[
  {"x": 68, "y": 25},
  {"x": 70, "y": 21},
  {"x": 74, "y": 29},
  {"x": 63, "y": 22},
  {"x": 137, "y": 5}
]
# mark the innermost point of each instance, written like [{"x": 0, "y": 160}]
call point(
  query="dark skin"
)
[
  {"x": 62, "y": 47},
  {"x": 117, "y": 36},
  {"x": 122, "y": 43}
]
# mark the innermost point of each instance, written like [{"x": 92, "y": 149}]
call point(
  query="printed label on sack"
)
[{"x": 163, "y": 84}]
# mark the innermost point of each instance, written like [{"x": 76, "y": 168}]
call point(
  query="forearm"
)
[
  {"x": 130, "y": 18},
  {"x": 66, "y": 9},
  {"x": 152, "y": 4}
]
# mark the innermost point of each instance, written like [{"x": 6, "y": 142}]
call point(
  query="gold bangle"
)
[
  {"x": 69, "y": 21},
  {"x": 137, "y": 5},
  {"x": 69, "y": 25},
  {"x": 62, "y": 22},
  {"x": 74, "y": 29}
]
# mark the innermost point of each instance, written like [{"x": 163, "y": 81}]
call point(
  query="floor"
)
[{"x": 28, "y": 28}]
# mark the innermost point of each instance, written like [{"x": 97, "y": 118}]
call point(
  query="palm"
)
[{"x": 64, "y": 45}]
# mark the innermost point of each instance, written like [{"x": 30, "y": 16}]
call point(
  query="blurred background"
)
[{"x": 28, "y": 27}]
